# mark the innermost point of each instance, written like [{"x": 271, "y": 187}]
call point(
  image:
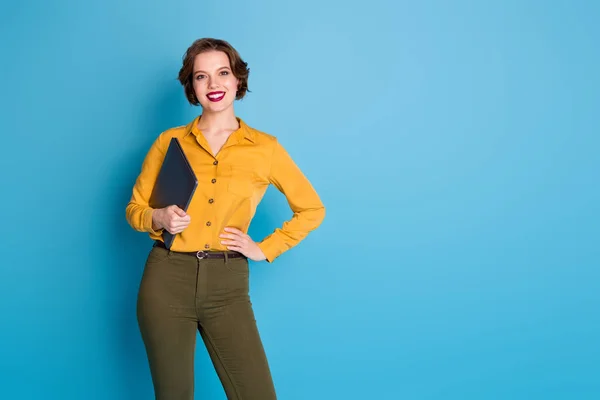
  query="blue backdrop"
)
[{"x": 455, "y": 145}]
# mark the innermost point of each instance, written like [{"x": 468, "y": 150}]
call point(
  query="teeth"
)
[{"x": 215, "y": 96}]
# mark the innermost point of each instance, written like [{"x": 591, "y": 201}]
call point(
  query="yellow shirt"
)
[{"x": 230, "y": 187}]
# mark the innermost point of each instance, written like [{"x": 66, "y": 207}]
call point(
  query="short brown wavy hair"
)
[{"x": 238, "y": 66}]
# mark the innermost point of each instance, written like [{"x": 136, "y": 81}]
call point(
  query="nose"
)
[{"x": 213, "y": 83}]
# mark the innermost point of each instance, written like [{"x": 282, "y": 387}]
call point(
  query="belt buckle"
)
[{"x": 201, "y": 254}]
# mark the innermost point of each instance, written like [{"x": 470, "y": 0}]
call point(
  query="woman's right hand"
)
[{"x": 172, "y": 218}]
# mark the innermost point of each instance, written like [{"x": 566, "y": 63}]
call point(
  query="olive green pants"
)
[{"x": 180, "y": 294}]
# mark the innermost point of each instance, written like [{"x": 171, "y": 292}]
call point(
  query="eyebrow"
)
[{"x": 218, "y": 69}]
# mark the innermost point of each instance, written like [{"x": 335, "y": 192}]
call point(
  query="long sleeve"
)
[
  {"x": 303, "y": 200},
  {"x": 138, "y": 212}
]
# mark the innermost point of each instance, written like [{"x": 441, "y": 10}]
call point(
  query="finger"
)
[
  {"x": 235, "y": 248},
  {"x": 234, "y": 231},
  {"x": 235, "y": 240},
  {"x": 178, "y": 211},
  {"x": 231, "y": 243},
  {"x": 179, "y": 229},
  {"x": 236, "y": 235},
  {"x": 178, "y": 225},
  {"x": 177, "y": 219}
]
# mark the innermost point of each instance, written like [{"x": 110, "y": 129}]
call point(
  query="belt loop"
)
[{"x": 226, "y": 257}]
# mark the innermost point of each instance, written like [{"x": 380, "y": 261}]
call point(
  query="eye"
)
[
  {"x": 224, "y": 72},
  {"x": 198, "y": 77}
]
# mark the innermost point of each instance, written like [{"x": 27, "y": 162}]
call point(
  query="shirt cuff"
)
[
  {"x": 148, "y": 223},
  {"x": 270, "y": 248}
]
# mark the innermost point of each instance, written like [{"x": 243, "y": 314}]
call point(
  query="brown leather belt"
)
[{"x": 201, "y": 254}]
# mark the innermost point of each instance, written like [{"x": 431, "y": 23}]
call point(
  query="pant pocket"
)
[{"x": 238, "y": 266}]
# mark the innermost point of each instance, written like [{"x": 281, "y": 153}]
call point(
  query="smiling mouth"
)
[{"x": 215, "y": 96}]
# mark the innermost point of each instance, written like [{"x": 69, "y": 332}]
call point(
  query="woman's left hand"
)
[{"x": 239, "y": 241}]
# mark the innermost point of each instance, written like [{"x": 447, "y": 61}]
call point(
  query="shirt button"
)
[
  {"x": 213, "y": 180},
  {"x": 207, "y": 246},
  {"x": 208, "y": 223},
  {"x": 211, "y": 201},
  {"x": 215, "y": 162}
]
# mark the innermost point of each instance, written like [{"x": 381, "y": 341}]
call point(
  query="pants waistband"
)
[{"x": 201, "y": 254}]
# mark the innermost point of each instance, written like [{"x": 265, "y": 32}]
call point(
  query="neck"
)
[{"x": 223, "y": 120}]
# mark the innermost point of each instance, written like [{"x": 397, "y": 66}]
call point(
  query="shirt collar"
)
[{"x": 244, "y": 132}]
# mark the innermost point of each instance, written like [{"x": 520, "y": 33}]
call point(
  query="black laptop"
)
[{"x": 175, "y": 184}]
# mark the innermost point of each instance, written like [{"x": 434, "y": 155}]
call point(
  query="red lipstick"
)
[{"x": 215, "y": 96}]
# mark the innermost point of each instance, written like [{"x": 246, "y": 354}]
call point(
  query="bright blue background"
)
[{"x": 455, "y": 145}]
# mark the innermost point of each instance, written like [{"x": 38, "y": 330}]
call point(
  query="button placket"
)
[{"x": 211, "y": 200}]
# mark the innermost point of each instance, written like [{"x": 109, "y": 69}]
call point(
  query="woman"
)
[{"x": 201, "y": 283}]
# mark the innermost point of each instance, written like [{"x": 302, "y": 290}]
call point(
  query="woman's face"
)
[{"x": 214, "y": 82}]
